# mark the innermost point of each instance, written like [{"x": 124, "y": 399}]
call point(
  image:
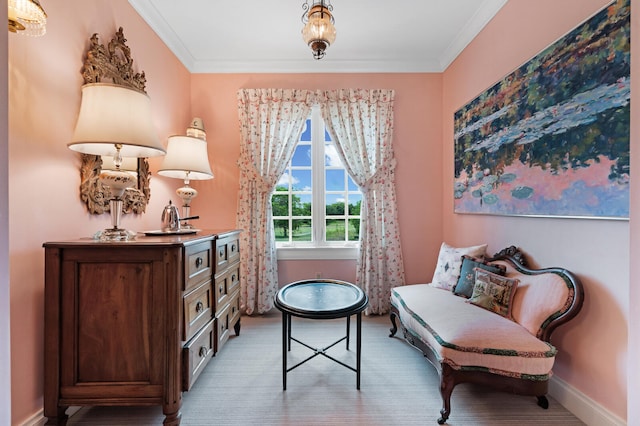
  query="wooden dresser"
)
[{"x": 135, "y": 323}]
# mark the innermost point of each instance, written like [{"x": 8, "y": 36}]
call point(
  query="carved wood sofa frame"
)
[{"x": 450, "y": 377}]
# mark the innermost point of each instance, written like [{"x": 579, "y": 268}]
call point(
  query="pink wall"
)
[
  {"x": 296, "y": 270},
  {"x": 417, "y": 135},
  {"x": 593, "y": 347},
  {"x": 44, "y": 204}
]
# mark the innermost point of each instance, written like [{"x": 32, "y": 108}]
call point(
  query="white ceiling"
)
[{"x": 215, "y": 36}]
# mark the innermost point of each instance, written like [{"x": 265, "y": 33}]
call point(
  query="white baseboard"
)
[
  {"x": 38, "y": 419},
  {"x": 583, "y": 407}
]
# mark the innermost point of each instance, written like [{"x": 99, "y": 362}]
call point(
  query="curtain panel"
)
[
  {"x": 271, "y": 122},
  {"x": 360, "y": 123}
]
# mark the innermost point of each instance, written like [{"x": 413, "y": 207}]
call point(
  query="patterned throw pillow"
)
[
  {"x": 494, "y": 292},
  {"x": 449, "y": 263},
  {"x": 467, "y": 279}
]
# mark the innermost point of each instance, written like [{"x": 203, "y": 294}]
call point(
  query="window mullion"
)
[{"x": 317, "y": 143}]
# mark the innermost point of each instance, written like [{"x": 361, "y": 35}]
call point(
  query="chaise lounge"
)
[{"x": 468, "y": 334}]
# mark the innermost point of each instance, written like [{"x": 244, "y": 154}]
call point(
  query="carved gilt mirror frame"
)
[
  {"x": 96, "y": 195},
  {"x": 112, "y": 64}
]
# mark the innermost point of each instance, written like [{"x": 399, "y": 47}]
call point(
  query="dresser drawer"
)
[
  {"x": 198, "y": 309},
  {"x": 198, "y": 264},
  {"x": 234, "y": 308},
  {"x": 226, "y": 283},
  {"x": 196, "y": 355},
  {"x": 233, "y": 280},
  {"x": 227, "y": 251},
  {"x": 222, "y": 327},
  {"x": 221, "y": 289}
]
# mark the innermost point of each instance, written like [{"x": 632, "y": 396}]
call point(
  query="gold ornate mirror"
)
[
  {"x": 96, "y": 195},
  {"x": 112, "y": 64}
]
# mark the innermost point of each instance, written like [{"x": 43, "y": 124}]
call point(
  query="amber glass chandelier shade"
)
[
  {"x": 319, "y": 32},
  {"x": 27, "y": 17}
]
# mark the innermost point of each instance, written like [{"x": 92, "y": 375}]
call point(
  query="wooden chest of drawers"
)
[{"x": 136, "y": 323}]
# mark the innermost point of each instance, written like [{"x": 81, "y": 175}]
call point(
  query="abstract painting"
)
[{"x": 552, "y": 137}]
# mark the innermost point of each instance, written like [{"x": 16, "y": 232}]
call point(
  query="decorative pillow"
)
[
  {"x": 449, "y": 263},
  {"x": 467, "y": 279},
  {"x": 494, "y": 292}
]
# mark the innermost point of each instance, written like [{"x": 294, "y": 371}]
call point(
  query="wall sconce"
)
[
  {"x": 115, "y": 120},
  {"x": 318, "y": 32},
  {"x": 187, "y": 159},
  {"x": 27, "y": 17}
]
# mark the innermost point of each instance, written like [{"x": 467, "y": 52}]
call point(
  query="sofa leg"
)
[
  {"x": 447, "y": 383},
  {"x": 543, "y": 401},
  {"x": 394, "y": 328}
]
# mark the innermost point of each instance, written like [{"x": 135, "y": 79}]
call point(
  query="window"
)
[{"x": 316, "y": 205}]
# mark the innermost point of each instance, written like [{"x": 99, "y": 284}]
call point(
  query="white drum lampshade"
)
[{"x": 112, "y": 116}]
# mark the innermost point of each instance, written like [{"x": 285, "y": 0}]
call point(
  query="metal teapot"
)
[{"x": 170, "y": 218}]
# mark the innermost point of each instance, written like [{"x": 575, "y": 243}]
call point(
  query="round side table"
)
[{"x": 320, "y": 299}]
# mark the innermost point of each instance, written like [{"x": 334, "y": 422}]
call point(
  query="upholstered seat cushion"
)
[{"x": 469, "y": 337}]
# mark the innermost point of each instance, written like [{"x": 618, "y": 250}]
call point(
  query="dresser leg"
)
[
  {"x": 236, "y": 328},
  {"x": 172, "y": 419},
  {"x": 59, "y": 419}
]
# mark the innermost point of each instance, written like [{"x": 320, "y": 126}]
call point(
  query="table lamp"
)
[
  {"x": 114, "y": 120},
  {"x": 187, "y": 159}
]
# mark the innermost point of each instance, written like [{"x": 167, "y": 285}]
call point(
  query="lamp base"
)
[
  {"x": 114, "y": 234},
  {"x": 186, "y": 212}
]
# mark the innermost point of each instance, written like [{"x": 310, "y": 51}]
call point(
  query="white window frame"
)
[{"x": 318, "y": 249}]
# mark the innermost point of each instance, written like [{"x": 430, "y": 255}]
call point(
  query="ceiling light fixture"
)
[
  {"x": 27, "y": 17},
  {"x": 318, "y": 32}
]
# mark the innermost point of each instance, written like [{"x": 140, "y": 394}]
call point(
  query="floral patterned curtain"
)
[
  {"x": 360, "y": 123},
  {"x": 271, "y": 121}
]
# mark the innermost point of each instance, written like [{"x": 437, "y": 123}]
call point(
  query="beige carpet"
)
[{"x": 243, "y": 385}]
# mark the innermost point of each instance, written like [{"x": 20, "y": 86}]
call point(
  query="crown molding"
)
[
  {"x": 161, "y": 27},
  {"x": 480, "y": 19}
]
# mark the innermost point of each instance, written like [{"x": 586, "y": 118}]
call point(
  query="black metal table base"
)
[{"x": 286, "y": 347}]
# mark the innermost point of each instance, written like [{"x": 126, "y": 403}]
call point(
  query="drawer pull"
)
[
  {"x": 221, "y": 253},
  {"x": 233, "y": 277},
  {"x": 233, "y": 309},
  {"x": 199, "y": 307},
  {"x": 199, "y": 262},
  {"x": 233, "y": 248},
  {"x": 203, "y": 351}
]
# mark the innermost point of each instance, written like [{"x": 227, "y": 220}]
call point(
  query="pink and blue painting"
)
[{"x": 552, "y": 137}]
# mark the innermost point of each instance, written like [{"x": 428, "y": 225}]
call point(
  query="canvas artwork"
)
[{"x": 552, "y": 137}]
